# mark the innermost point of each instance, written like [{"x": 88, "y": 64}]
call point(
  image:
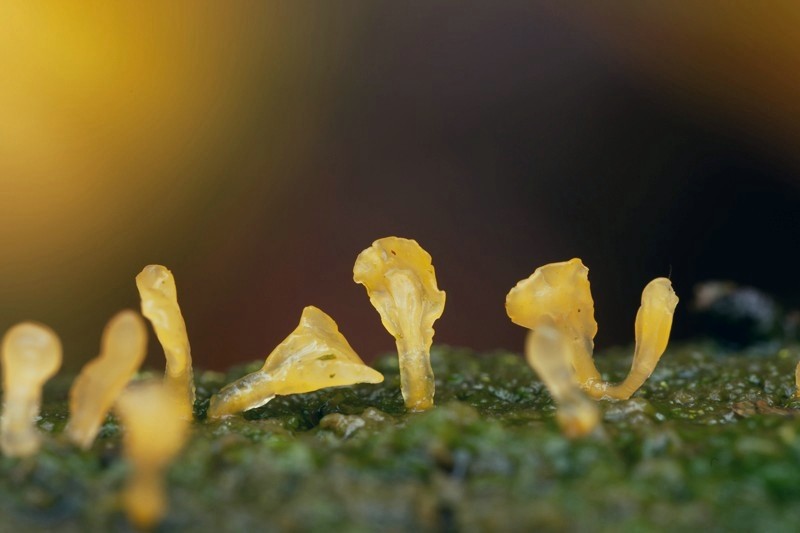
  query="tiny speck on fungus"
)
[
  {"x": 314, "y": 356},
  {"x": 154, "y": 432},
  {"x": 160, "y": 305},
  {"x": 555, "y": 294},
  {"x": 401, "y": 284},
  {"x": 31, "y": 355},
  {"x": 94, "y": 391}
]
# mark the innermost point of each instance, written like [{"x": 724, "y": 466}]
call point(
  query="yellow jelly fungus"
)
[
  {"x": 548, "y": 350},
  {"x": 653, "y": 325},
  {"x": 94, "y": 391},
  {"x": 31, "y": 354},
  {"x": 314, "y": 356},
  {"x": 160, "y": 305},
  {"x": 154, "y": 432},
  {"x": 401, "y": 285},
  {"x": 560, "y": 292}
]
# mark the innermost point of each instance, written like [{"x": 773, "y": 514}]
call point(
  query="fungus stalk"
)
[
  {"x": 401, "y": 284},
  {"x": 155, "y": 430},
  {"x": 160, "y": 305},
  {"x": 93, "y": 393},
  {"x": 31, "y": 355},
  {"x": 549, "y": 353},
  {"x": 314, "y": 356}
]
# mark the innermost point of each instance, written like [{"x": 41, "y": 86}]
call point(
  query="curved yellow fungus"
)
[
  {"x": 94, "y": 391},
  {"x": 155, "y": 430},
  {"x": 560, "y": 293},
  {"x": 160, "y": 305},
  {"x": 653, "y": 325},
  {"x": 314, "y": 356},
  {"x": 549, "y": 351},
  {"x": 31, "y": 354},
  {"x": 401, "y": 283}
]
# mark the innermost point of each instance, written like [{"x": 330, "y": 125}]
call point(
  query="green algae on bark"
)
[{"x": 710, "y": 441}]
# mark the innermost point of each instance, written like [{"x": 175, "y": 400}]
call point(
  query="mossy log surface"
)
[{"x": 712, "y": 441}]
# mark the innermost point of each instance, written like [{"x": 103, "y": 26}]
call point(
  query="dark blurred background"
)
[{"x": 256, "y": 149}]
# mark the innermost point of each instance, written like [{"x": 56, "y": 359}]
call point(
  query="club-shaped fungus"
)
[
  {"x": 93, "y": 393},
  {"x": 31, "y": 354},
  {"x": 401, "y": 284},
  {"x": 314, "y": 356},
  {"x": 154, "y": 432},
  {"x": 560, "y": 293},
  {"x": 160, "y": 305}
]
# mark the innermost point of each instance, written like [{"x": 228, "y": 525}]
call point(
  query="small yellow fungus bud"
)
[
  {"x": 560, "y": 293},
  {"x": 31, "y": 354},
  {"x": 549, "y": 352},
  {"x": 160, "y": 305},
  {"x": 401, "y": 285},
  {"x": 123, "y": 348},
  {"x": 314, "y": 356},
  {"x": 155, "y": 430}
]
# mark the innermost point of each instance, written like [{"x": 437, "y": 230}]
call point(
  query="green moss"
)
[{"x": 710, "y": 442}]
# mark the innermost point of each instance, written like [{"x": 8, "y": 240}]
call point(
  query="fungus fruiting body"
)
[
  {"x": 558, "y": 297},
  {"x": 652, "y": 329},
  {"x": 94, "y": 391},
  {"x": 560, "y": 291},
  {"x": 31, "y": 354},
  {"x": 160, "y": 305},
  {"x": 314, "y": 356},
  {"x": 154, "y": 432},
  {"x": 549, "y": 352},
  {"x": 401, "y": 284}
]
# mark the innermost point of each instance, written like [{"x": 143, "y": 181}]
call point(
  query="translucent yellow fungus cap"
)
[
  {"x": 559, "y": 292},
  {"x": 401, "y": 284},
  {"x": 94, "y": 391},
  {"x": 154, "y": 432},
  {"x": 31, "y": 354},
  {"x": 314, "y": 356},
  {"x": 160, "y": 305}
]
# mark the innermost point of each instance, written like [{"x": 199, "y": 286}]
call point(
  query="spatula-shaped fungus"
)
[
  {"x": 401, "y": 284},
  {"x": 154, "y": 432},
  {"x": 314, "y": 356},
  {"x": 31, "y": 354},
  {"x": 94, "y": 391},
  {"x": 560, "y": 293},
  {"x": 549, "y": 351},
  {"x": 160, "y": 305},
  {"x": 653, "y": 325}
]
